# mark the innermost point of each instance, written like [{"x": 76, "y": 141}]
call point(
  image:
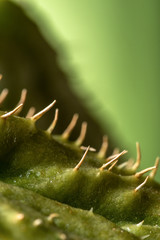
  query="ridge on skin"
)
[
  {"x": 27, "y": 215},
  {"x": 61, "y": 170}
]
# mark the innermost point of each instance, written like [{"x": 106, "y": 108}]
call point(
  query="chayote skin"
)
[{"x": 49, "y": 174}]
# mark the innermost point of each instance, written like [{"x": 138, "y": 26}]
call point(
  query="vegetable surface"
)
[{"x": 53, "y": 188}]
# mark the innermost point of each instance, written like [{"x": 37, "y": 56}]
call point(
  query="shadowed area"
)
[{"x": 28, "y": 61}]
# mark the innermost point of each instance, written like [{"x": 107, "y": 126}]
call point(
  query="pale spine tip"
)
[
  {"x": 110, "y": 168},
  {"x": 82, "y": 135},
  {"x": 82, "y": 159},
  {"x": 140, "y": 224},
  {"x": 104, "y": 147},
  {"x": 145, "y": 236},
  {"x": 153, "y": 172},
  {"x": 111, "y": 157},
  {"x": 41, "y": 113},
  {"x": 114, "y": 159},
  {"x": 6, "y": 115},
  {"x": 67, "y": 132},
  {"x": 141, "y": 185},
  {"x": 128, "y": 164},
  {"x": 139, "y": 174},
  {"x": 53, "y": 124},
  {"x": 116, "y": 151},
  {"x": 31, "y": 112},
  {"x": 138, "y": 160},
  {"x": 1, "y": 76},
  {"x": 3, "y": 95},
  {"x": 22, "y": 100},
  {"x": 91, "y": 149}
]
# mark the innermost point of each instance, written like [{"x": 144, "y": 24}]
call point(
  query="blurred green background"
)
[{"x": 111, "y": 53}]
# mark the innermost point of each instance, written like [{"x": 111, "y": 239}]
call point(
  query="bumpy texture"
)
[{"x": 52, "y": 188}]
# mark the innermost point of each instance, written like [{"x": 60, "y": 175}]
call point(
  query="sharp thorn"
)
[
  {"x": 31, "y": 112},
  {"x": 114, "y": 159},
  {"x": 139, "y": 174},
  {"x": 145, "y": 236},
  {"x": 130, "y": 163},
  {"x": 41, "y": 113},
  {"x": 153, "y": 172},
  {"x": 111, "y": 157},
  {"x": 91, "y": 149},
  {"x": 141, "y": 185},
  {"x": 70, "y": 127},
  {"x": 3, "y": 95},
  {"x": 91, "y": 210},
  {"x": 127, "y": 164},
  {"x": 140, "y": 224},
  {"x": 110, "y": 168},
  {"x": 104, "y": 147},
  {"x": 23, "y": 96},
  {"x": 22, "y": 100},
  {"x": 6, "y": 115},
  {"x": 82, "y": 159},
  {"x": 138, "y": 160},
  {"x": 115, "y": 151},
  {"x": 122, "y": 165},
  {"x": 53, "y": 124},
  {"x": 82, "y": 135},
  {"x": 106, "y": 164}
]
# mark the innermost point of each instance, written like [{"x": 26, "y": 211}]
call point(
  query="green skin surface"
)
[
  {"x": 44, "y": 163},
  {"x": 74, "y": 223}
]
